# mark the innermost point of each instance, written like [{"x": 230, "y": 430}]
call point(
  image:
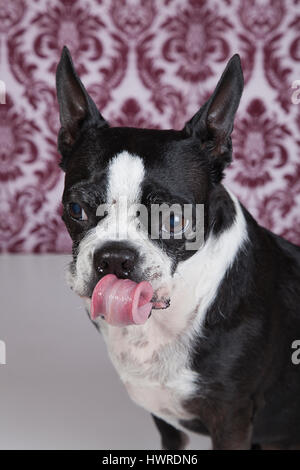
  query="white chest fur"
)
[{"x": 153, "y": 363}]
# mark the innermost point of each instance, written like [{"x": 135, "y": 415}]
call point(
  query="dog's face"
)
[{"x": 111, "y": 171}]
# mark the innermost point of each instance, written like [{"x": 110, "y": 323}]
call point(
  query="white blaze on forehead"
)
[{"x": 125, "y": 176}]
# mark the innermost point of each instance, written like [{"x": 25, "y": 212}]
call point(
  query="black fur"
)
[
  {"x": 245, "y": 353},
  {"x": 171, "y": 438}
]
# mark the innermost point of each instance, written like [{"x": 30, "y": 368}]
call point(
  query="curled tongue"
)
[{"x": 122, "y": 301}]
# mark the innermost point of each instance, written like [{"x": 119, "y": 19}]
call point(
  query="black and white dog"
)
[{"x": 215, "y": 355}]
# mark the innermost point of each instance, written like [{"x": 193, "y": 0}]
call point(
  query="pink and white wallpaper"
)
[{"x": 147, "y": 63}]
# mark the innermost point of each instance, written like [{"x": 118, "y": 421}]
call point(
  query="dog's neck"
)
[{"x": 196, "y": 281}]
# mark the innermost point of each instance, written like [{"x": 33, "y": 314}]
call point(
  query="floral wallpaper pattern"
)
[{"x": 147, "y": 63}]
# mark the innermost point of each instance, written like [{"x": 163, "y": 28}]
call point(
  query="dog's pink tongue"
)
[{"x": 122, "y": 301}]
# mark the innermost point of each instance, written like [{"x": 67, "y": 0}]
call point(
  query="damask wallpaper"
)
[{"x": 147, "y": 63}]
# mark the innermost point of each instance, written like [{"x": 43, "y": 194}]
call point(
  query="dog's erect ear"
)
[
  {"x": 77, "y": 109},
  {"x": 213, "y": 123}
]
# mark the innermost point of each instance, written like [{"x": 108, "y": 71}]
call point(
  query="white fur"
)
[
  {"x": 203, "y": 272},
  {"x": 153, "y": 359},
  {"x": 125, "y": 175}
]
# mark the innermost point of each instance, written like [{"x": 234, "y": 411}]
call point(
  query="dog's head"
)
[{"x": 112, "y": 171}]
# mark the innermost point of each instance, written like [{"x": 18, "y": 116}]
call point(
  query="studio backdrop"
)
[{"x": 147, "y": 63}]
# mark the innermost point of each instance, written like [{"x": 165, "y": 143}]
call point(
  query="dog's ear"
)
[
  {"x": 213, "y": 123},
  {"x": 77, "y": 109}
]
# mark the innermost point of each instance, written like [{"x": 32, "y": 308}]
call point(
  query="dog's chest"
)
[{"x": 153, "y": 365}]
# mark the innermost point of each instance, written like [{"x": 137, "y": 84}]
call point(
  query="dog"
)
[{"x": 210, "y": 352}]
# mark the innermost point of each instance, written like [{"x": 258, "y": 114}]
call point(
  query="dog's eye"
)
[
  {"x": 175, "y": 224},
  {"x": 77, "y": 212}
]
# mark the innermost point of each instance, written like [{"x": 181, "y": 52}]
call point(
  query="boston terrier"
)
[{"x": 201, "y": 337}]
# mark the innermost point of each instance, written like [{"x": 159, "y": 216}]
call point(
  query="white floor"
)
[{"x": 58, "y": 389}]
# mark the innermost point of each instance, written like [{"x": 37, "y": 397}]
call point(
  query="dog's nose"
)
[{"x": 115, "y": 258}]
